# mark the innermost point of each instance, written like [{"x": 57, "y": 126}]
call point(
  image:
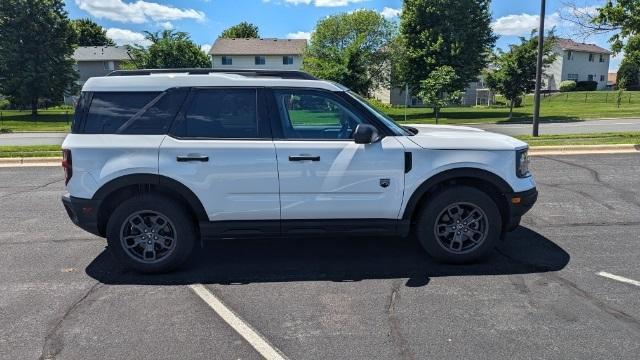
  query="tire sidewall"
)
[
  {"x": 437, "y": 203},
  {"x": 183, "y": 226}
]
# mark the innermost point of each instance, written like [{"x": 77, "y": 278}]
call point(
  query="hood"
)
[{"x": 450, "y": 137}]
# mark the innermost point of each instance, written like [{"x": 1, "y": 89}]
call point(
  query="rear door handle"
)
[
  {"x": 304, "y": 158},
  {"x": 190, "y": 157}
]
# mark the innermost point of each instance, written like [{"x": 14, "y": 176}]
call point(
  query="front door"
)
[
  {"x": 323, "y": 173},
  {"x": 221, "y": 149}
]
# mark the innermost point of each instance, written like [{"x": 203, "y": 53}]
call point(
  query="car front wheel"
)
[
  {"x": 150, "y": 234},
  {"x": 460, "y": 224}
]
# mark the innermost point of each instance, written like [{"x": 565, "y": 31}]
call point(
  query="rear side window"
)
[
  {"x": 110, "y": 110},
  {"x": 221, "y": 113},
  {"x": 157, "y": 116}
]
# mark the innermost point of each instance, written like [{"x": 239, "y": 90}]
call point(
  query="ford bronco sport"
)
[{"x": 158, "y": 159}]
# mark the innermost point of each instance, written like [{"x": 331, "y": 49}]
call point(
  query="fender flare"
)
[
  {"x": 458, "y": 173},
  {"x": 151, "y": 179}
]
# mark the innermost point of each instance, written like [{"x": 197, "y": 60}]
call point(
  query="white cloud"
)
[
  {"x": 324, "y": 3},
  {"x": 137, "y": 12},
  {"x": 299, "y": 35},
  {"x": 205, "y": 48},
  {"x": 127, "y": 37},
  {"x": 390, "y": 13},
  {"x": 167, "y": 25},
  {"x": 521, "y": 25}
]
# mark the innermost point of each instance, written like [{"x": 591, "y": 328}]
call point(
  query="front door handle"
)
[
  {"x": 304, "y": 158},
  {"x": 192, "y": 157}
]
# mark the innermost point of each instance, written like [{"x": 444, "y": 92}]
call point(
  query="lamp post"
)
[{"x": 536, "y": 104}]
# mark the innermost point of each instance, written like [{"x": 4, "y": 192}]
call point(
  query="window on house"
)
[
  {"x": 287, "y": 60},
  {"x": 573, "y": 77},
  {"x": 601, "y": 58},
  {"x": 569, "y": 55},
  {"x": 260, "y": 60},
  {"x": 590, "y": 57},
  {"x": 601, "y": 77},
  {"x": 227, "y": 60},
  {"x": 108, "y": 65},
  {"x": 590, "y": 77}
]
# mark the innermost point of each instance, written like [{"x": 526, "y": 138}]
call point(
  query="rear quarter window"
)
[{"x": 110, "y": 110}]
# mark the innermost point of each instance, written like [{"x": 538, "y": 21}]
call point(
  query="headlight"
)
[{"x": 522, "y": 163}]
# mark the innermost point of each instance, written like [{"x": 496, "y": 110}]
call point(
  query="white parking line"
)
[
  {"x": 619, "y": 278},
  {"x": 256, "y": 340}
]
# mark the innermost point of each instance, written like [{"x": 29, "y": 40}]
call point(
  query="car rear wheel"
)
[
  {"x": 460, "y": 224},
  {"x": 150, "y": 233}
]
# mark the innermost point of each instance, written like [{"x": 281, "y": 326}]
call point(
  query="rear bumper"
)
[
  {"x": 83, "y": 212},
  {"x": 519, "y": 204}
]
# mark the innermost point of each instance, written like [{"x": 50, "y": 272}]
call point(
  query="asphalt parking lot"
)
[{"x": 538, "y": 296}]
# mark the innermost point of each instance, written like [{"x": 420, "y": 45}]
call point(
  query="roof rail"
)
[{"x": 283, "y": 74}]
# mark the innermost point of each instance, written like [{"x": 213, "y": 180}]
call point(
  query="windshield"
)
[{"x": 395, "y": 127}]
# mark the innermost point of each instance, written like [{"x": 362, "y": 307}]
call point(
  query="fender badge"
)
[{"x": 385, "y": 182}]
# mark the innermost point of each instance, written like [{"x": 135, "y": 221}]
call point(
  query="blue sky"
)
[{"x": 205, "y": 19}]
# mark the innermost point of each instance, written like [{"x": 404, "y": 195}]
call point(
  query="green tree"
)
[
  {"x": 88, "y": 33},
  {"x": 515, "y": 72},
  {"x": 628, "y": 75},
  {"x": 439, "y": 89},
  {"x": 621, "y": 16},
  {"x": 352, "y": 49},
  {"x": 168, "y": 49},
  {"x": 442, "y": 32},
  {"x": 36, "y": 44},
  {"x": 244, "y": 30}
]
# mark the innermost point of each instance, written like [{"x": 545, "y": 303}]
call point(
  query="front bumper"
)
[
  {"x": 83, "y": 212},
  {"x": 519, "y": 204}
]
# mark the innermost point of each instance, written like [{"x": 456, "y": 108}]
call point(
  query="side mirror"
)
[{"x": 365, "y": 134}]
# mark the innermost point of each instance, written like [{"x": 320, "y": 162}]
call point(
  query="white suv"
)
[{"x": 158, "y": 159}]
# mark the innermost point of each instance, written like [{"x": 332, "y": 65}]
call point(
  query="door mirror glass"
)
[{"x": 366, "y": 134}]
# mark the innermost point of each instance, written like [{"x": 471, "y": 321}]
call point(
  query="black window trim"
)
[{"x": 263, "y": 123}]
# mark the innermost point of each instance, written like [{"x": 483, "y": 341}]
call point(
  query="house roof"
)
[
  {"x": 258, "y": 46},
  {"x": 100, "y": 53},
  {"x": 568, "y": 44}
]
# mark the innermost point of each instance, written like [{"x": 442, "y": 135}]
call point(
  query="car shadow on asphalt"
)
[{"x": 336, "y": 259}]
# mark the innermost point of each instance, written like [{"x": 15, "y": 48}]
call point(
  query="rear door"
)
[
  {"x": 323, "y": 173},
  {"x": 221, "y": 148}
]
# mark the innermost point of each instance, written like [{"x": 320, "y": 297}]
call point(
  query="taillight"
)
[{"x": 66, "y": 165}]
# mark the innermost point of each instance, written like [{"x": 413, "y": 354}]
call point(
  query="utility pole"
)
[{"x": 536, "y": 104}]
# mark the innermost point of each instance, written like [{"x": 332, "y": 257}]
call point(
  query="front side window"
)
[
  {"x": 110, "y": 110},
  {"x": 260, "y": 60},
  {"x": 158, "y": 114},
  {"x": 227, "y": 60},
  {"x": 221, "y": 113},
  {"x": 309, "y": 114},
  {"x": 287, "y": 60}
]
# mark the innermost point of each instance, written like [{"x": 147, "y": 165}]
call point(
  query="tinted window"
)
[
  {"x": 81, "y": 108},
  {"x": 109, "y": 110},
  {"x": 157, "y": 118},
  {"x": 314, "y": 115},
  {"x": 222, "y": 113}
]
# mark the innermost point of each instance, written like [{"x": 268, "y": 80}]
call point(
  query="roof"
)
[
  {"x": 100, "y": 53},
  {"x": 568, "y": 44},
  {"x": 224, "y": 46},
  {"x": 164, "y": 81}
]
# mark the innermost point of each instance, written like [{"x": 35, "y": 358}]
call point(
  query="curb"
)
[
  {"x": 30, "y": 161},
  {"x": 583, "y": 149}
]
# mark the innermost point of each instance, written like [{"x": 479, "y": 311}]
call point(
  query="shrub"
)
[
  {"x": 5, "y": 131},
  {"x": 379, "y": 104},
  {"x": 517, "y": 102},
  {"x": 586, "y": 85},
  {"x": 568, "y": 85}
]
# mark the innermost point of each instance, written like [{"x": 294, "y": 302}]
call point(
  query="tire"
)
[
  {"x": 471, "y": 240},
  {"x": 151, "y": 225}
]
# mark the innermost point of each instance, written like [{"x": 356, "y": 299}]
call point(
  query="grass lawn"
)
[
  {"x": 574, "y": 106},
  {"x": 46, "y": 120},
  {"x": 583, "y": 139},
  {"x": 30, "y": 151}
]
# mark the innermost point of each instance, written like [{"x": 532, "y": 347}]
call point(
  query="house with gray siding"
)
[
  {"x": 578, "y": 62},
  {"x": 94, "y": 61},
  {"x": 268, "y": 53}
]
